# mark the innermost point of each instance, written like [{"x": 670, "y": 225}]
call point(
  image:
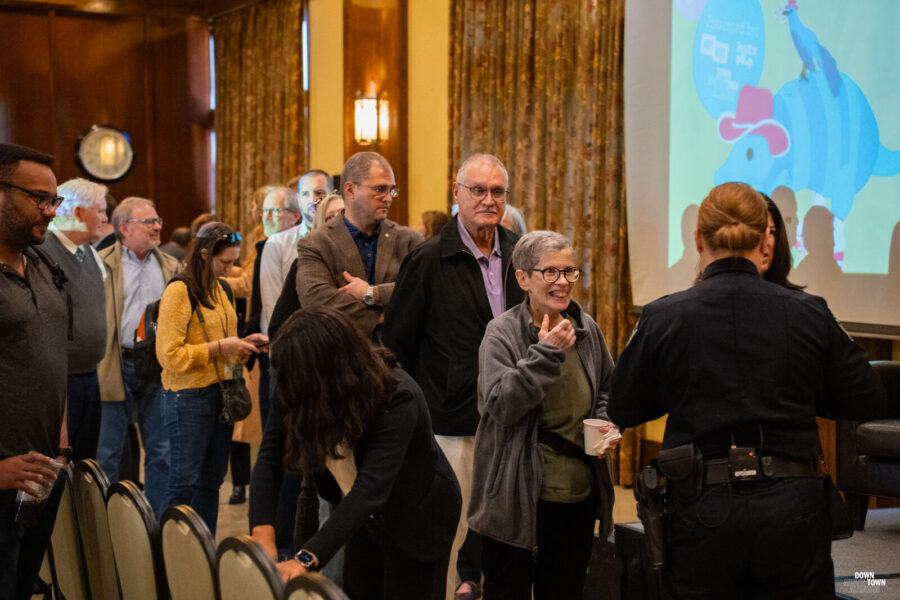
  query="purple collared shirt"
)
[{"x": 491, "y": 268}]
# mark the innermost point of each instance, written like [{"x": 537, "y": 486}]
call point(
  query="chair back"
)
[
  {"x": 135, "y": 539},
  {"x": 89, "y": 489},
  {"x": 245, "y": 571},
  {"x": 65, "y": 548},
  {"x": 189, "y": 553},
  {"x": 313, "y": 586},
  {"x": 889, "y": 371}
]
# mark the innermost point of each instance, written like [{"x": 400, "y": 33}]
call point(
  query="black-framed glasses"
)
[
  {"x": 380, "y": 190},
  {"x": 551, "y": 274},
  {"x": 150, "y": 222},
  {"x": 43, "y": 200},
  {"x": 479, "y": 192}
]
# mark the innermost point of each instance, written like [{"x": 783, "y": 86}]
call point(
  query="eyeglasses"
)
[
  {"x": 42, "y": 199},
  {"x": 150, "y": 222},
  {"x": 275, "y": 212},
  {"x": 479, "y": 192},
  {"x": 551, "y": 274},
  {"x": 380, "y": 190}
]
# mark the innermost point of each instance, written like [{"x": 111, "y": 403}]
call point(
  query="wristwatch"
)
[
  {"x": 65, "y": 452},
  {"x": 370, "y": 296},
  {"x": 307, "y": 560}
]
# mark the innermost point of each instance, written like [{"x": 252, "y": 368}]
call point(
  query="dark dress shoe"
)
[
  {"x": 474, "y": 594},
  {"x": 238, "y": 495}
]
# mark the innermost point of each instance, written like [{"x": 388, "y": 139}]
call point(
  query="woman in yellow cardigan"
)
[{"x": 194, "y": 357}]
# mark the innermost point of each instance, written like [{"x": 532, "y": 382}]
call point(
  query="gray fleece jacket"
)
[{"x": 515, "y": 371}]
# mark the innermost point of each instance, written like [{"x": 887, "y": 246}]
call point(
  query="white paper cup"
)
[{"x": 596, "y": 441}]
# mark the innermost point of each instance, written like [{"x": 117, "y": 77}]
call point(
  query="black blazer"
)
[
  {"x": 436, "y": 320},
  {"x": 404, "y": 488}
]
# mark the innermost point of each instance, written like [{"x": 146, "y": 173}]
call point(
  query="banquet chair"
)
[
  {"x": 313, "y": 586},
  {"x": 89, "y": 489},
  {"x": 189, "y": 554},
  {"x": 66, "y": 556},
  {"x": 246, "y": 571},
  {"x": 134, "y": 533}
]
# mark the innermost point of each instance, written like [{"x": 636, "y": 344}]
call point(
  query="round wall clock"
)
[{"x": 104, "y": 153}]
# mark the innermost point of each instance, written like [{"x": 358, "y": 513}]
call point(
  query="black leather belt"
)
[
  {"x": 719, "y": 470},
  {"x": 128, "y": 353}
]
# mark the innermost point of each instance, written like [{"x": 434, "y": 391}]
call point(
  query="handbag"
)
[{"x": 236, "y": 402}]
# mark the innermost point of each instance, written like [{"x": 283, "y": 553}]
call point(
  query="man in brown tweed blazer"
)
[{"x": 352, "y": 262}]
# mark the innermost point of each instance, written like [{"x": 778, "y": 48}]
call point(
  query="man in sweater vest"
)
[{"x": 69, "y": 242}]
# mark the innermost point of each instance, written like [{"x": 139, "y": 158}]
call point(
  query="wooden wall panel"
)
[
  {"x": 375, "y": 52},
  {"x": 25, "y": 83},
  {"x": 64, "y": 71},
  {"x": 182, "y": 121},
  {"x": 99, "y": 79}
]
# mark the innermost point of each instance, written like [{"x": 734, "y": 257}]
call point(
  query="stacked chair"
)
[
  {"x": 66, "y": 556},
  {"x": 245, "y": 571},
  {"x": 90, "y": 489},
  {"x": 107, "y": 545},
  {"x": 189, "y": 551},
  {"x": 135, "y": 540},
  {"x": 313, "y": 586}
]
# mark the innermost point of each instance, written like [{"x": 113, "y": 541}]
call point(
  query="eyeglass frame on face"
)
[
  {"x": 276, "y": 210},
  {"x": 560, "y": 273},
  {"x": 381, "y": 190},
  {"x": 43, "y": 200},
  {"x": 497, "y": 194},
  {"x": 150, "y": 222}
]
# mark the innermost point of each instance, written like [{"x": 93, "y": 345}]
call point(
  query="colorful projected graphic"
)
[{"x": 799, "y": 100}]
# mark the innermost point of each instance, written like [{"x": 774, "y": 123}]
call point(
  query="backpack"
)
[{"x": 146, "y": 366}]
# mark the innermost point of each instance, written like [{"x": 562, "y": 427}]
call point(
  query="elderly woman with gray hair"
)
[{"x": 543, "y": 369}]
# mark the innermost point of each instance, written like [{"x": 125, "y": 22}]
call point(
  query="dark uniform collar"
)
[{"x": 731, "y": 264}]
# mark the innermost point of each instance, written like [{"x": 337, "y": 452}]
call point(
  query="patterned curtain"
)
[
  {"x": 260, "y": 118},
  {"x": 539, "y": 83}
]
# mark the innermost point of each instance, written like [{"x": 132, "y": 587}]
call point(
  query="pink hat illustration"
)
[{"x": 754, "y": 117}]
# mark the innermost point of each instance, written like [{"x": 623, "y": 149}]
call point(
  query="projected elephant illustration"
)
[{"x": 817, "y": 133}]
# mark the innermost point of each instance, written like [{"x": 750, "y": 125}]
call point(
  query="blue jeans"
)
[
  {"x": 201, "y": 444},
  {"x": 143, "y": 404}
]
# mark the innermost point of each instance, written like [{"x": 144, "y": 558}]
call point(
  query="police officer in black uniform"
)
[{"x": 742, "y": 367}]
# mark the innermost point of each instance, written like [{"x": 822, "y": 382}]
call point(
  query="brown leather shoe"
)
[{"x": 473, "y": 594}]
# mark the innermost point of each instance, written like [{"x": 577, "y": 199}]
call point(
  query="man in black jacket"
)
[{"x": 446, "y": 292}]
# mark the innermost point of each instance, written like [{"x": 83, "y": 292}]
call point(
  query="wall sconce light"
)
[{"x": 371, "y": 118}]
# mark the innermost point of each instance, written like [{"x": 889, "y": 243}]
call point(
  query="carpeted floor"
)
[{"x": 867, "y": 565}]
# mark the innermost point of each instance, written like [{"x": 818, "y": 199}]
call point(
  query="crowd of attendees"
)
[{"x": 418, "y": 395}]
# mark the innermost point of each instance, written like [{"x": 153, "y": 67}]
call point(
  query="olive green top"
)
[{"x": 566, "y": 404}]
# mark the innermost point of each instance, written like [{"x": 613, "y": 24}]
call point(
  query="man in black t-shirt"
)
[{"x": 33, "y": 361}]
